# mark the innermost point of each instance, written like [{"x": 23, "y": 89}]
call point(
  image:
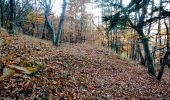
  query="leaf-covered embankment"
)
[{"x": 79, "y": 71}]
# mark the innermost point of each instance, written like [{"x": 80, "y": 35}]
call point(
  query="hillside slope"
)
[{"x": 79, "y": 71}]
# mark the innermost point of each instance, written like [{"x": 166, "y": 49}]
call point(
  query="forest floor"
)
[{"x": 76, "y": 71}]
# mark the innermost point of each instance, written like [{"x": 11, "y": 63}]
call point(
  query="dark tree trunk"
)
[
  {"x": 37, "y": 25},
  {"x": 11, "y": 27},
  {"x": 139, "y": 29},
  {"x": 43, "y": 33},
  {"x": 33, "y": 29},
  {"x": 2, "y": 12},
  {"x": 108, "y": 40},
  {"x": 149, "y": 58},
  {"x": 165, "y": 61},
  {"x": 168, "y": 34},
  {"x": 142, "y": 59}
]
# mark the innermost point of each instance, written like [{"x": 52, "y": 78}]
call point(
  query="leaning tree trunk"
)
[
  {"x": 11, "y": 27},
  {"x": 145, "y": 40},
  {"x": 61, "y": 23},
  {"x": 165, "y": 60},
  {"x": 149, "y": 58},
  {"x": 150, "y": 62}
]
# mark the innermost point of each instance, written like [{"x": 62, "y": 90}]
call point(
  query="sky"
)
[{"x": 57, "y": 7}]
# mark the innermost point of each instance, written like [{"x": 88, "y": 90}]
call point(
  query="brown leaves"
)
[{"x": 72, "y": 72}]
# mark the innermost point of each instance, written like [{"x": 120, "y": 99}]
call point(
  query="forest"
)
[{"x": 85, "y": 49}]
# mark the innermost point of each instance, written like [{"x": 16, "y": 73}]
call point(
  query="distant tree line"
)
[{"x": 35, "y": 18}]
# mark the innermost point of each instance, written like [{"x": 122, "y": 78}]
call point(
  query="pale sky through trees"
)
[
  {"x": 91, "y": 9},
  {"x": 96, "y": 11}
]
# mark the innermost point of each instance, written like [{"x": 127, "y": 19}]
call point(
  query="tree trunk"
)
[
  {"x": 43, "y": 33},
  {"x": 149, "y": 58},
  {"x": 139, "y": 29},
  {"x": 51, "y": 27},
  {"x": 2, "y": 12},
  {"x": 108, "y": 39},
  {"x": 61, "y": 23},
  {"x": 168, "y": 33},
  {"x": 165, "y": 60},
  {"x": 142, "y": 59},
  {"x": 33, "y": 29},
  {"x": 11, "y": 27}
]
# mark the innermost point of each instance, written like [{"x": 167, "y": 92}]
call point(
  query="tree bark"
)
[
  {"x": 2, "y": 12},
  {"x": 11, "y": 27},
  {"x": 139, "y": 29},
  {"x": 51, "y": 27},
  {"x": 165, "y": 60},
  {"x": 61, "y": 23},
  {"x": 149, "y": 58},
  {"x": 168, "y": 33},
  {"x": 43, "y": 33},
  {"x": 142, "y": 59}
]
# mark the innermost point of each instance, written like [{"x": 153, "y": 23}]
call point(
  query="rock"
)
[
  {"x": 1, "y": 42},
  {"x": 8, "y": 72},
  {"x": 19, "y": 69}
]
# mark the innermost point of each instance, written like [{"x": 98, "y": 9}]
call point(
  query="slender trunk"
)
[
  {"x": 168, "y": 34},
  {"x": 142, "y": 59},
  {"x": 43, "y": 33},
  {"x": 11, "y": 27},
  {"x": 165, "y": 60},
  {"x": 150, "y": 24},
  {"x": 37, "y": 25},
  {"x": 159, "y": 30},
  {"x": 133, "y": 46},
  {"x": 155, "y": 47},
  {"x": 108, "y": 40},
  {"x": 2, "y": 12},
  {"x": 61, "y": 23},
  {"x": 33, "y": 29},
  {"x": 117, "y": 47}
]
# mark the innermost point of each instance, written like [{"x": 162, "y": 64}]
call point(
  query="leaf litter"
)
[{"x": 71, "y": 72}]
